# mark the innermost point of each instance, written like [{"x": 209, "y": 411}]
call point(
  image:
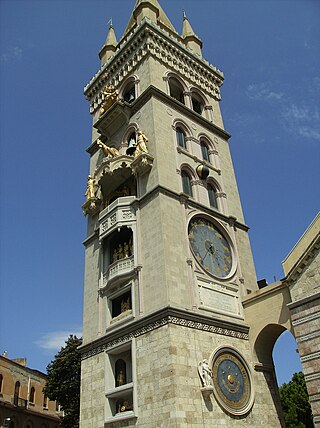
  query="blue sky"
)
[{"x": 269, "y": 52}]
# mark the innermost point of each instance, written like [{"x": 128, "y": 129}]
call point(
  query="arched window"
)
[
  {"x": 32, "y": 394},
  {"x": 212, "y": 196},
  {"x": 17, "y": 389},
  {"x": 176, "y": 90},
  {"x": 1, "y": 382},
  {"x": 197, "y": 104},
  {"x": 16, "y": 393},
  {"x": 181, "y": 138},
  {"x": 129, "y": 93},
  {"x": 186, "y": 183},
  {"x": 132, "y": 144},
  {"x": 204, "y": 151}
]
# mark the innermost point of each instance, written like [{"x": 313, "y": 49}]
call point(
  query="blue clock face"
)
[
  {"x": 232, "y": 385},
  {"x": 210, "y": 248}
]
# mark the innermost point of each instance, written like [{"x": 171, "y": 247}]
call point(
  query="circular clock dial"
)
[
  {"x": 231, "y": 383},
  {"x": 210, "y": 247}
]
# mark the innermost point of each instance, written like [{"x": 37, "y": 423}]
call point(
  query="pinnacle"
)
[
  {"x": 142, "y": 7},
  {"x": 111, "y": 37}
]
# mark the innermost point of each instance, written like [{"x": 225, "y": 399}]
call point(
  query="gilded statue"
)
[
  {"x": 126, "y": 250},
  {"x": 109, "y": 152},
  {"x": 125, "y": 305},
  {"x": 141, "y": 144},
  {"x": 205, "y": 373},
  {"x": 110, "y": 96},
  {"x": 120, "y": 252},
  {"x": 90, "y": 193},
  {"x": 115, "y": 255},
  {"x": 120, "y": 378}
]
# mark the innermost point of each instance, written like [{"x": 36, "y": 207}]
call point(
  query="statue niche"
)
[
  {"x": 121, "y": 305},
  {"x": 120, "y": 373}
]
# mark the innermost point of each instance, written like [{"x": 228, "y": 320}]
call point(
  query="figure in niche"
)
[
  {"x": 123, "y": 406},
  {"x": 205, "y": 373},
  {"x": 90, "y": 193},
  {"x": 110, "y": 96},
  {"x": 130, "y": 247},
  {"x": 120, "y": 373},
  {"x": 120, "y": 378},
  {"x": 109, "y": 152},
  {"x": 115, "y": 255},
  {"x": 126, "y": 249},
  {"x": 120, "y": 252},
  {"x": 125, "y": 305},
  {"x": 141, "y": 144}
]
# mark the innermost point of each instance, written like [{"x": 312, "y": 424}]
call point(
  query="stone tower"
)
[{"x": 167, "y": 259}]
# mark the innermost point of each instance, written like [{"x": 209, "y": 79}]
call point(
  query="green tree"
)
[
  {"x": 63, "y": 381},
  {"x": 295, "y": 403}
]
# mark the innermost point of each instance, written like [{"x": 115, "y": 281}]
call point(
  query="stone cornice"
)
[
  {"x": 304, "y": 301},
  {"x": 161, "y": 318},
  {"x": 303, "y": 261},
  {"x": 148, "y": 39}
]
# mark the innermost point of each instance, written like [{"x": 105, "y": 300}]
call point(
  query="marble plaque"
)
[{"x": 218, "y": 298}]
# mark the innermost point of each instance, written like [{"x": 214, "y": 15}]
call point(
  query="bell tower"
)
[{"x": 167, "y": 254}]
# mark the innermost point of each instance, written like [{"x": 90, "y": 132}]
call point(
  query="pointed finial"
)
[
  {"x": 184, "y": 15},
  {"x": 110, "y": 44}
]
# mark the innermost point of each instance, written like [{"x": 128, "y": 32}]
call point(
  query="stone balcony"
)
[
  {"x": 119, "y": 268},
  {"x": 119, "y": 213}
]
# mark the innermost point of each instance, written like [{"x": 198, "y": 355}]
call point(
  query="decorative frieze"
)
[{"x": 162, "y": 321}]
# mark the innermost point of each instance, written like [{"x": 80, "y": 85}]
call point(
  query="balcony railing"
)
[
  {"x": 118, "y": 213},
  {"x": 19, "y": 402},
  {"x": 119, "y": 268}
]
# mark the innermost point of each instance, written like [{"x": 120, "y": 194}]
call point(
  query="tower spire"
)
[
  {"x": 152, "y": 10},
  {"x": 191, "y": 40},
  {"x": 109, "y": 46}
]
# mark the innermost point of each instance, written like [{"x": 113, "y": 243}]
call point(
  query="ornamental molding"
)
[
  {"x": 307, "y": 318},
  {"x": 308, "y": 337},
  {"x": 110, "y": 165},
  {"x": 150, "y": 40},
  {"x": 309, "y": 357},
  {"x": 162, "y": 318}
]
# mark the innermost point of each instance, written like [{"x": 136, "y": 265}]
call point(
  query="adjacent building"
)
[{"x": 22, "y": 402}]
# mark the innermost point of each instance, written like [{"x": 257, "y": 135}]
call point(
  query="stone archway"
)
[{"x": 291, "y": 304}]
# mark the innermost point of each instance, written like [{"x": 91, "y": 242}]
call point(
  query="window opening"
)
[
  {"x": 204, "y": 152},
  {"x": 32, "y": 394},
  {"x": 212, "y": 197},
  {"x": 130, "y": 94},
  {"x": 181, "y": 138},
  {"x": 186, "y": 183},
  {"x": 176, "y": 90}
]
